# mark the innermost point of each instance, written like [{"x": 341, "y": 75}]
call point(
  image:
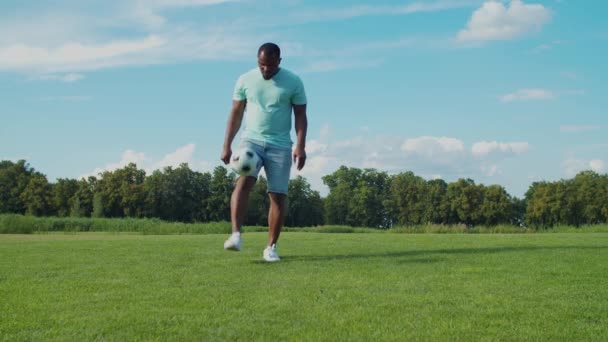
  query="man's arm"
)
[
  {"x": 301, "y": 125},
  {"x": 232, "y": 127}
]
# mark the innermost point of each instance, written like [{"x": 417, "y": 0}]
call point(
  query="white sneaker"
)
[
  {"x": 233, "y": 243},
  {"x": 270, "y": 254}
]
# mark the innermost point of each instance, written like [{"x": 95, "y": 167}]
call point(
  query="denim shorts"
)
[{"x": 276, "y": 162}]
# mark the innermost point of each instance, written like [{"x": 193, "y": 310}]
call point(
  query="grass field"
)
[{"x": 331, "y": 287}]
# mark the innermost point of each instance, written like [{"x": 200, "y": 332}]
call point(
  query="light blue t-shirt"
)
[{"x": 269, "y": 104}]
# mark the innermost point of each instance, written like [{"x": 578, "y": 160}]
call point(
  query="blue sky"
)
[{"x": 503, "y": 92}]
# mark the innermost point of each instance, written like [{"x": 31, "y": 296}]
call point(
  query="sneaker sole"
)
[{"x": 267, "y": 260}]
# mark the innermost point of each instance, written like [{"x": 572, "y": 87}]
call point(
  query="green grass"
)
[{"x": 329, "y": 287}]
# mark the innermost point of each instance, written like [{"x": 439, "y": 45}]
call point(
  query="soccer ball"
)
[{"x": 245, "y": 162}]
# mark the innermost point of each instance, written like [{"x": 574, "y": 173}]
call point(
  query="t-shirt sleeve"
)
[
  {"x": 239, "y": 91},
  {"x": 299, "y": 95}
]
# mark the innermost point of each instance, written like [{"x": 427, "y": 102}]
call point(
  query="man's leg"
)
[
  {"x": 239, "y": 201},
  {"x": 276, "y": 216},
  {"x": 277, "y": 165}
]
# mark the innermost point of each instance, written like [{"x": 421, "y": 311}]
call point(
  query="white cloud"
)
[
  {"x": 45, "y": 29},
  {"x": 319, "y": 161},
  {"x": 578, "y": 128},
  {"x": 485, "y": 148},
  {"x": 573, "y": 166},
  {"x": 547, "y": 46},
  {"x": 528, "y": 95},
  {"x": 316, "y": 165},
  {"x": 149, "y": 12},
  {"x": 355, "y": 11},
  {"x": 128, "y": 156},
  {"x": 315, "y": 146},
  {"x": 427, "y": 156},
  {"x": 354, "y": 56},
  {"x": 66, "y": 39},
  {"x": 183, "y": 154},
  {"x": 495, "y": 21},
  {"x": 489, "y": 170},
  {"x": 171, "y": 47},
  {"x": 597, "y": 165},
  {"x": 74, "y": 56},
  {"x": 72, "y": 77},
  {"x": 431, "y": 147},
  {"x": 69, "y": 78},
  {"x": 325, "y": 131},
  {"x": 185, "y": 3}
]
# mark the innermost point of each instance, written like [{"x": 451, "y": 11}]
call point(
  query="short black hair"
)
[{"x": 270, "y": 49}]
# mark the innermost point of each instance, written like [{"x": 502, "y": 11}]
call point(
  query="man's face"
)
[{"x": 268, "y": 64}]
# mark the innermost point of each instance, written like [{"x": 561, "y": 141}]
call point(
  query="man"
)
[{"x": 270, "y": 93}]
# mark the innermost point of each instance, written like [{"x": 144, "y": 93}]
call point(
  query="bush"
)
[{"x": 19, "y": 224}]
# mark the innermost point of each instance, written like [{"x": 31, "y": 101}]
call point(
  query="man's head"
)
[{"x": 269, "y": 58}]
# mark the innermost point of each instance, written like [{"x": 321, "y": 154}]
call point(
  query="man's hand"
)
[
  {"x": 226, "y": 154},
  {"x": 299, "y": 157}
]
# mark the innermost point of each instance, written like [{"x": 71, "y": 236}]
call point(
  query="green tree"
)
[
  {"x": 83, "y": 198},
  {"x": 77, "y": 210},
  {"x": 434, "y": 209},
  {"x": 259, "y": 202},
  {"x": 589, "y": 196},
  {"x": 341, "y": 186},
  {"x": 64, "y": 192},
  {"x": 37, "y": 196},
  {"x": 367, "y": 207},
  {"x": 538, "y": 197},
  {"x": 407, "y": 195},
  {"x": 154, "y": 190},
  {"x": 176, "y": 194},
  {"x": 304, "y": 204},
  {"x": 218, "y": 202},
  {"x": 122, "y": 191},
  {"x": 496, "y": 207},
  {"x": 565, "y": 207},
  {"x": 14, "y": 178},
  {"x": 519, "y": 211},
  {"x": 98, "y": 209},
  {"x": 465, "y": 200},
  {"x": 577, "y": 201},
  {"x": 603, "y": 197}
]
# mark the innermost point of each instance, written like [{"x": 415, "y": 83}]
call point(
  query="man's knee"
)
[
  {"x": 277, "y": 197},
  {"x": 278, "y": 200},
  {"x": 243, "y": 186}
]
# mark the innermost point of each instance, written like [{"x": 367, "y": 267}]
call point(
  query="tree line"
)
[
  {"x": 172, "y": 194},
  {"x": 357, "y": 197}
]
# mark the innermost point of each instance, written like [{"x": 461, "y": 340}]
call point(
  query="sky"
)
[{"x": 501, "y": 92}]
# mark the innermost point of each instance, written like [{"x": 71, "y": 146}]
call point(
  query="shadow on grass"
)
[{"x": 426, "y": 253}]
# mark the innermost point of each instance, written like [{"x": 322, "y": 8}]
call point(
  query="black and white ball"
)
[{"x": 245, "y": 162}]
